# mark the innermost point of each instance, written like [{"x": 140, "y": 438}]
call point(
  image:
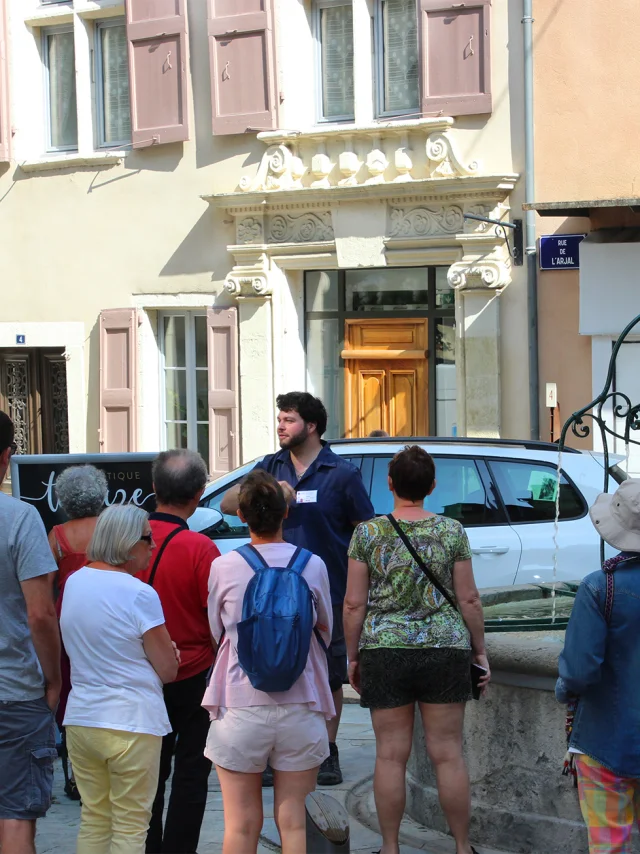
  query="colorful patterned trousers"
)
[{"x": 609, "y": 804}]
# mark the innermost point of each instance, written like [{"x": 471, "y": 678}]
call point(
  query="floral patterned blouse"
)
[{"x": 405, "y": 609}]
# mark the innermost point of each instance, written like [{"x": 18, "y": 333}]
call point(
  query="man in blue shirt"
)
[{"x": 327, "y": 500}]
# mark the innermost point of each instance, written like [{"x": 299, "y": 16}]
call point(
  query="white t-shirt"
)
[{"x": 113, "y": 684}]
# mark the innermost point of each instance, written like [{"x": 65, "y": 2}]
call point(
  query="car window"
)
[
  {"x": 529, "y": 492},
  {"x": 460, "y": 492},
  {"x": 231, "y": 526}
]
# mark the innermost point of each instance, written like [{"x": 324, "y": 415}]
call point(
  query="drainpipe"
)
[{"x": 530, "y": 222}]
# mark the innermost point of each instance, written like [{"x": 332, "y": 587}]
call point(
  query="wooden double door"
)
[{"x": 386, "y": 377}]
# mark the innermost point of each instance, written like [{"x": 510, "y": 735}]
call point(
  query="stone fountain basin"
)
[{"x": 514, "y": 745}]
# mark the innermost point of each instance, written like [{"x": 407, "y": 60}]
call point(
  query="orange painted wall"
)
[
  {"x": 564, "y": 354},
  {"x": 587, "y": 99}
]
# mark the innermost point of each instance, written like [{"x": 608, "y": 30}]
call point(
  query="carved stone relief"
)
[
  {"x": 306, "y": 227},
  {"x": 425, "y": 220}
]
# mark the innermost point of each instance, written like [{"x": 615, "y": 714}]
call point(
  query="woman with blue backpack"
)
[{"x": 269, "y": 698}]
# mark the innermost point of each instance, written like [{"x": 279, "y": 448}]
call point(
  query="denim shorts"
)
[{"x": 27, "y": 753}]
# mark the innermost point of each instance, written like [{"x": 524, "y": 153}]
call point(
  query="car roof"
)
[{"x": 548, "y": 451}]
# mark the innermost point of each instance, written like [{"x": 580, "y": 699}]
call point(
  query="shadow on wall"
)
[
  {"x": 204, "y": 249},
  {"x": 156, "y": 158},
  {"x": 210, "y": 149},
  {"x": 93, "y": 390}
]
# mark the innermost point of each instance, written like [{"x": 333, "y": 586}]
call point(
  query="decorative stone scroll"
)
[
  {"x": 425, "y": 221},
  {"x": 306, "y": 227},
  {"x": 250, "y": 280},
  {"x": 440, "y": 150},
  {"x": 481, "y": 273}
]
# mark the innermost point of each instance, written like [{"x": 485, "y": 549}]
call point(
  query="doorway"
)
[
  {"x": 386, "y": 377},
  {"x": 33, "y": 392},
  {"x": 391, "y": 315}
]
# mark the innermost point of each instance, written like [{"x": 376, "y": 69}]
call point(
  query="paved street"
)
[{"x": 57, "y": 833}]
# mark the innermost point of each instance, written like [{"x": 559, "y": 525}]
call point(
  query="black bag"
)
[{"x": 475, "y": 670}]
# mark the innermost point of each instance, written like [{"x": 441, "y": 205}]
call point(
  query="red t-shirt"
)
[{"x": 182, "y": 583}]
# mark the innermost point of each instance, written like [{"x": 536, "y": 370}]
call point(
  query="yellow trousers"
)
[{"x": 117, "y": 777}]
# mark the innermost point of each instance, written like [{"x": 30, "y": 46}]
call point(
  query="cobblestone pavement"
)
[{"x": 57, "y": 833}]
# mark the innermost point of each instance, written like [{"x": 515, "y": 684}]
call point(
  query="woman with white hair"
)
[
  {"x": 121, "y": 654},
  {"x": 81, "y": 492}
]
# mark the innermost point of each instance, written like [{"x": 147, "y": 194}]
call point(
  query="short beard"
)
[{"x": 296, "y": 441}]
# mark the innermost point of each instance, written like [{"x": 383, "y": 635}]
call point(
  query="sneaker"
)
[
  {"x": 330, "y": 773},
  {"x": 267, "y": 778}
]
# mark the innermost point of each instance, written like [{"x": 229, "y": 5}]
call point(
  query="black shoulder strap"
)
[
  {"x": 167, "y": 540},
  {"x": 414, "y": 554}
]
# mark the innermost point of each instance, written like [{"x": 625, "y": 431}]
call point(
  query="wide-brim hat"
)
[{"x": 617, "y": 517}]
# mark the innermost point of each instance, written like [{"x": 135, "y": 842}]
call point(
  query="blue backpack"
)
[{"x": 274, "y": 635}]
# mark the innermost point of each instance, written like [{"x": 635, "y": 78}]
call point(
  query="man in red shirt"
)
[{"x": 181, "y": 578}]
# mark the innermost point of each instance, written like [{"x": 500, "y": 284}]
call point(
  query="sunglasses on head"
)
[{"x": 148, "y": 538}]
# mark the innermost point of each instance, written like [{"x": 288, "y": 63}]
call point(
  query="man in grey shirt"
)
[{"x": 29, "y": 665}]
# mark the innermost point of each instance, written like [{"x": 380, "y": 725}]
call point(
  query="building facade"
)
[
  {"x": 205, "y": 204},
  {"x": 586, "y": 184}
]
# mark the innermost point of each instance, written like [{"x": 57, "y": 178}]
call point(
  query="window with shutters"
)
[
  {"x": 334, "y": 40},
  {"x": 112, "y": 83},
  {"x": 185, "y": 381}
]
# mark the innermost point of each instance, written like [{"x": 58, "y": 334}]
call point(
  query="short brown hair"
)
[{"x": 412, "y": 472}]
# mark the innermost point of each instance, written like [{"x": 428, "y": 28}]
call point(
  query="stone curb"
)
[{"x": 359, "y": 805}]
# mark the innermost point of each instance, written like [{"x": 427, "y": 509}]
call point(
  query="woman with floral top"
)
[{"x": 406, "y": 643}]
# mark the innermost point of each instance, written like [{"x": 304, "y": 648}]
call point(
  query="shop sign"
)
[
  {"x": 560, "y": 251},
  {"x": 128, "y": 475}
]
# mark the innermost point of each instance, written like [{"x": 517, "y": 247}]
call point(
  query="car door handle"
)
[{"x": 490, "y": 550}]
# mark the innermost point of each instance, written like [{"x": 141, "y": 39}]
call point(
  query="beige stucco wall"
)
[
  {"x": 81, "y": 240},
  {"x": 587, "y": 99}
]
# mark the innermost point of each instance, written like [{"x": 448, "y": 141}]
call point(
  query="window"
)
[
  {"x": 398, "y": 67},
  {"x": 334, "y": 36},
  {"x": 112, "y": 84},
  {"x": 183, "y": 339},
  {"x": 60, "y": 89},
  {"x": 460, "y": 492},
  {"x": 529, "y": 491}
]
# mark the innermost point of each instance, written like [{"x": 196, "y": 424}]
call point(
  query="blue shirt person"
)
[{"x": 327, "y": 499}]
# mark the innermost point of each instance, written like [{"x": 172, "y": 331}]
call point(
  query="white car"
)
[{"x": 503, "y": 491}]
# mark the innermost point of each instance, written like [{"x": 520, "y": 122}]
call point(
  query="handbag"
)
[{"x": 475, "y": 671}]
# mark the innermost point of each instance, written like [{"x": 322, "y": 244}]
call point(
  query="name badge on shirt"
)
[{"x": 308, "y": 496}]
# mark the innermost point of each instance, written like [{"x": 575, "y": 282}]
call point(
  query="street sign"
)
[
  {"x": 128, "y": 477},
  {"x": 560, "y": 251}
]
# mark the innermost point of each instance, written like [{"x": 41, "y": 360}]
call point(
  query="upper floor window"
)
[
  {"x": 334, "y": 37},
  {"x": 112, "y": 83},
  {"x": 397, "y": 57},
  {"x": 429, "y": 57},
  {"x": 60, "y": 80}
]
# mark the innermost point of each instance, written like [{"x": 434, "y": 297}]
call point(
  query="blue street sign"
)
[
  {"x": 560, "y": 251},
  {"x": 21, "y": 339}
]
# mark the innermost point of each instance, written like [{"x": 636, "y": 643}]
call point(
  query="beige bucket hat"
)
[{"x": 617, "y": 517}]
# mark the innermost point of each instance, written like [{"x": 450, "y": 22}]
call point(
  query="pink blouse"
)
[{"x": 230, "y": 686}]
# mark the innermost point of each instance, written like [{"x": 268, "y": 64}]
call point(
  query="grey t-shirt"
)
[{"x": 24, "y": 554}]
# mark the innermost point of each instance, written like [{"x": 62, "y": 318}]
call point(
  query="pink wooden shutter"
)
[
  {"x": 455, "y": 57},
  {"x": 242, "y": 57},
  {"x": 118, "y": 370},
  {"x": 157, "y": 37},
  {"x": 222, "y": 338},
  {"x": 5, "y": 123}
]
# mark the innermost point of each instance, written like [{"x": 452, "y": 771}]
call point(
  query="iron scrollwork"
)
[{"x": 626, "y": 415}]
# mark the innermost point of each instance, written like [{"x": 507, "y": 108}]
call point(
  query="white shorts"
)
[{"x": 290, "y": 737}]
